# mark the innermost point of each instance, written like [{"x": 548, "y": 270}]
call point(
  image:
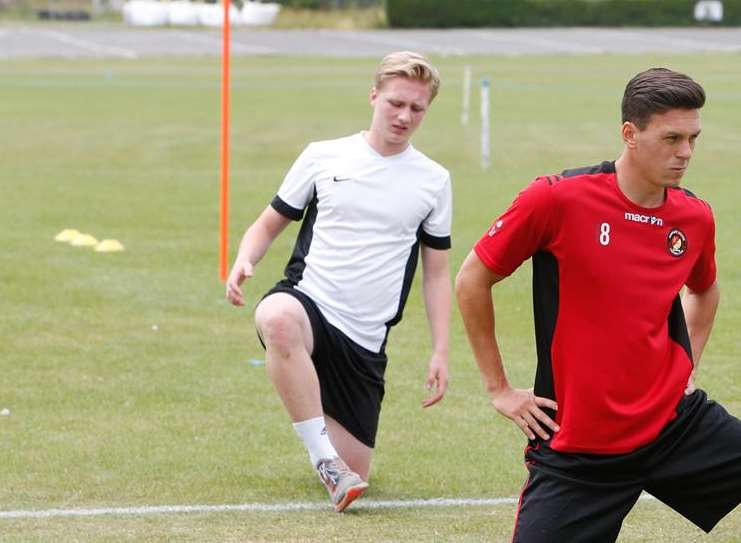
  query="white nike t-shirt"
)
[{"x": 366, "y": 214}]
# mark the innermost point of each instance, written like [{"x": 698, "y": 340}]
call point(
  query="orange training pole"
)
[{"x": 224, "y": 223}]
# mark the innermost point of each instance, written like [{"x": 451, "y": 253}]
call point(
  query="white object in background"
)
[
  {"x": 185, "y": 13},
  {"x": 466, "y": 93},
  {"x": 258, "y": 14},
  {"x": 116, "y": 5},
  {"x": 5, "y": 412},
  {"x": 145, "y": 13},
  {"x": 213, "y": 14},
  {"x": 709, "y": 10},
  {"x": 182, "y": 13},
  {"x": 485, "y": 145}
]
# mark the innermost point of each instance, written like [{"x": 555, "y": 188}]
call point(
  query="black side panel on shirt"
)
[
  {"x": 678, "y": 327},
  {"x": 406, "y": 286},
  {"x": 297, "y": 263},
  {"x": 545, "y": 313},
  {"x": 545, "y": 298}
]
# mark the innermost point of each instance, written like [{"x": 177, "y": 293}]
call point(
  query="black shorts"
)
[
  {"x": 693, "y": 466},
  {"x": 350, "y": 376}
]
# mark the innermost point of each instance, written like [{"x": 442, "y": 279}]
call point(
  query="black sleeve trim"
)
[
  {"x": 434, "y": 242},
  {"x": 689, "y": 193},
  {"x": 605, "y": 167},
  {"x": 287, "y": 211}
]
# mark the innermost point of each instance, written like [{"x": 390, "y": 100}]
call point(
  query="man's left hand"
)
[{"x": 437, "y": 380}]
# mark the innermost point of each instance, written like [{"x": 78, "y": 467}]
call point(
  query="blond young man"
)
[{"x": 372, "y": 203}]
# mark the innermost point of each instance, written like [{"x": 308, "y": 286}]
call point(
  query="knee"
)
[{"x": 278, "y": 329}]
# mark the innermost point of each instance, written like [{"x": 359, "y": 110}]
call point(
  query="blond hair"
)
[{"x": 410, "y": 65}]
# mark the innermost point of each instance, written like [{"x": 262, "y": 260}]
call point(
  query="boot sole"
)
[{"x": 353, "y": 493}]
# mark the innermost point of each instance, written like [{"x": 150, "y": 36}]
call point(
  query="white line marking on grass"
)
[
  {"x": 392, "y": 39},
  {"x": 237, "y": 46},
  {"x": 97, "y": 48},
  {"x": 667, "y": 40},
  {"x": 555, "y": 43},
  {"x": 260, "y": 507},
  {"x": 692, "y": 44},
  {"x": 253, "y": 507}
]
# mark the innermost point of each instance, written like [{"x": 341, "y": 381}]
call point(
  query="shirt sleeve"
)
[
  {"x": 297, "y": 188},
  {"x": 704, "y": 271},
  {"x": 521, "y": 231},
  {"x": 435, "y": 232}
]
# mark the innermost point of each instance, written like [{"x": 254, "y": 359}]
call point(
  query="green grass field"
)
[{"x": 108, "y": 412}]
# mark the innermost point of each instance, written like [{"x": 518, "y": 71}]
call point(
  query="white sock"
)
[{"x": 313, "y": 432}]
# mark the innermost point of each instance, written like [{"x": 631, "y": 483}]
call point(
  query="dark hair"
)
[{"x": 658, "y": 90}]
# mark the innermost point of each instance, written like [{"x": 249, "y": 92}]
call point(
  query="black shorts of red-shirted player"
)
[{"x": 694, "y": 467}]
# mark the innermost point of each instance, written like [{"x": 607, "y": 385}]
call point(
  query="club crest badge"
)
[
  {"x": 676, "y": 242},
  {"x": 496, "y": 227}
]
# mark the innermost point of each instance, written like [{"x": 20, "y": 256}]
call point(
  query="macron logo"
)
[{"x": 645, "y": 219}]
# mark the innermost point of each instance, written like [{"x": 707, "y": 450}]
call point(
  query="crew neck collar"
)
[
  {"x": 408, "y": 149},
  {"x": 631, "y": 203}
]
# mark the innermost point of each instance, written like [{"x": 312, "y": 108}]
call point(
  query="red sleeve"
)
[
  {"x": 524, "y": 229},
  {"x": 704, "y": 272}
]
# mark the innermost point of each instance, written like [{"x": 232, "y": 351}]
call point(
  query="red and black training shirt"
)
[{"x": 612, "y": 343}]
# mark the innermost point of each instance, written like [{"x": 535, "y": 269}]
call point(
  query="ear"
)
[
  {"x": 630, "y": 132},
  {"x": 373, "y": 95}
]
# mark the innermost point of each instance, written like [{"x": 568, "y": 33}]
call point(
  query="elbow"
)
[
  {"x": 711, "y": 290},
  {"x": 473, "y": 282},
  {"x": 462, "y": 285},
  {"x": 711, "y": 295}
]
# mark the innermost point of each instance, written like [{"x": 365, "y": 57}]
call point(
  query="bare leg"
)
[
  {"x": 356, "y": 455},
  {"x": 286, "y": 331}
]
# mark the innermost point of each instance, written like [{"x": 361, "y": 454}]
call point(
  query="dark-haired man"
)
[{"x": 614, "y": 410}]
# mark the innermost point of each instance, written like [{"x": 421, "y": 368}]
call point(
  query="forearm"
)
[
  {"x": 260, "y": 235},
  {"x": 478, "y": 318},
  {"x": 438, "y": 300},
  {"x": 477, "y": 309},
  {"x": 699, "y": 311},
  {"x": 473, "y": 288},
  {"x": 254, "y": 244}
]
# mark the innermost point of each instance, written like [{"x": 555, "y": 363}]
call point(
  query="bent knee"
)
[
  {"x": 281, "y": 323},
  {"x": 278, "y": 330}
]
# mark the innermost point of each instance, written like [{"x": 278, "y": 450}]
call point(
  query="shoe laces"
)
[{"x": 333, "y": 469}]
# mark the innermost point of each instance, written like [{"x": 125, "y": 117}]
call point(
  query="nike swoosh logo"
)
[{"x": 340, "y": 179}]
